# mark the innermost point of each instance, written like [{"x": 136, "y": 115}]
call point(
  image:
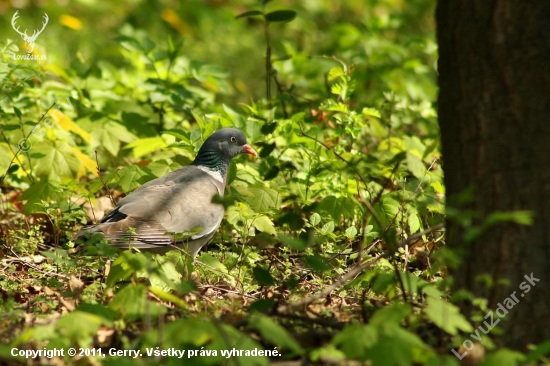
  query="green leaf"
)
[
  {"x": 78, "y": 325},
  {"x": 371, "y": 112},
  {"x": 247, "y": 14},
  {"x": 44, "y": 190},
  {"x": 57, "y": 160},
  {"x": 355, "y": 339},
  {"x": 327, "y": 228},
  {"x": 317, "y": 263},
  {"x": 292, "y": 243},
  {"x": 126, "y": 264},
  {"x": 264, "y": 224},
  {"x": 518, "y": 217},
  {"x": 120, "y": 270},
  {"x": 391, "y": 314},
  {"x": 399, "y": 347},
  {"x": 131, "y": 176},
  {"x": 335, "y": 73},
  {"x": 351, "y": 232},
  {"x": 131, "y": 300},
  {"x": 17, "y": 112},
  {"x": 13, "y": 169},
  {"x": 110, "y": 134},
  {"x": 266, "y": 150},
  {"x": 416, "y": 165},
  {"x": 539, "y": 352},
  {"x": 168, "y": 297},
  {"x": 446, "y": 316},
  {"x": 274, "y": 333},
  {"x": 269, "y": 128},
  {"x": 107, "y": 315},
  {"x": 337, "y": 206},
  {"x": 10, "y": 127},
  {"x": 180, "y": 135},
  {"x": 315, "y": 219},
  {"x": 146, "y": 146},
  {"x": 212, "y": 263},
  {"x": 414, "y": 220},
  {"x": 504, "y": 357},
  {"x": 263, "y": 276},
  {"x": 280, "y": 16},
  {"x": 262, "y": 199}
]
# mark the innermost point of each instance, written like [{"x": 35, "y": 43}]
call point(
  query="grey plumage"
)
[{"x": 178, "y": 203}]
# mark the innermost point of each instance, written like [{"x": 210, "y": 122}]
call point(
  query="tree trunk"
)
[{"x": 494, "y": 115}]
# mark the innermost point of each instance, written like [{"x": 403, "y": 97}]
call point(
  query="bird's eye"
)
[{"x": 233, "y": 139}]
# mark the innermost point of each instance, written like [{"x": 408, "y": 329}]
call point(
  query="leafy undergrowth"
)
[{"x": 332, "y": 248}]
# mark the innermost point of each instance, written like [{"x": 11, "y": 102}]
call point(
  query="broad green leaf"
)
[
  {"x": 446, "y": 316},
  {"x": 166, "y": 296},
  {"x": 315, "y": 219},
  {"x": 165, "y": 276},
  {"x": 212, "y": 263},
  {"x": 393, "y": 314},
  {"x": 518, "y": 217},
  {"x": 110, "y": 134},
  {"x": 540, "y": 351},
  {"x": 179, "y": 134},
  {"x": 269, "y": 128},
  {"x": 78, "y": 325},
  {"x": 146, "y": 146},
  {"x": 504, "y": 357},
  {"x": 280, "y": 16},
  {"x": 372, "y": 112},
  {"x": 351, "y": 232},
  {"x": 264, "y": 224},
  {"x": 327, "y": 228},
  {"x": 399, "y": 347},
  {"x": 355, "y": 339},
  {"x": 416, "y": 165},
  {"x": 247, "y": 14},
  {"x": 12, "y": 169},
  {"x": 293, "y": 243},
  {"x": 262, "y": 199},
  {"x": 338, "y": 206},
  {"x": 43, "y": 190},
  {"x": 390, "y": 208},
  {"x": 317, "y": 263},
  {"x": 132, "y": 176},
  {"x": 17, "y": 112},
  {"x": 274, "y": 333},
  {"x": 263, "y": 276},
  {"x": 232, "y": 337},
  {"x": 335, "y": 73},
  {"x": 414, "y": 220},
  {"x": 438, "y": 187},
  {"x": 131, "y": 300},
  {"x": 56, "y": 160}
]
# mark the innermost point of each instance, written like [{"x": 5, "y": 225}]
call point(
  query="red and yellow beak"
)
[{"x": 249, "y": 150}]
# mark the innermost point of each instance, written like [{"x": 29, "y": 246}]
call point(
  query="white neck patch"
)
[{"x": 216, "y": 174}]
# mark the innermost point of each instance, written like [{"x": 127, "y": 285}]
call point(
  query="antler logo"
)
[{"x": 29, "y": 40}]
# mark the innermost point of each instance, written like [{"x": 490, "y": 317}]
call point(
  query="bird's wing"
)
[{"x": 179, "y": 202}]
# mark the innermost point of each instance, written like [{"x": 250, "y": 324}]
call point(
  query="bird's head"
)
[{"x": 229, "y": 142}]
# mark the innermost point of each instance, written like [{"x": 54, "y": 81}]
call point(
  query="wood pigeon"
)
[{"x": 179, "y": 202}]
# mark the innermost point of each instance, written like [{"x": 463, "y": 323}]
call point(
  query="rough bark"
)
[{"x": 494, "y": 113}]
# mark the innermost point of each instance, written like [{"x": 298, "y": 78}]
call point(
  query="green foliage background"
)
[{"x": 349, "y": 168}]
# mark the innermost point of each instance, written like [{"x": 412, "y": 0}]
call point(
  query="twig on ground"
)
[{"x": 354, "y": 272}]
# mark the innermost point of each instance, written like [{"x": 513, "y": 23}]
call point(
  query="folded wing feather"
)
[{"x": 179, "y": 202}]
